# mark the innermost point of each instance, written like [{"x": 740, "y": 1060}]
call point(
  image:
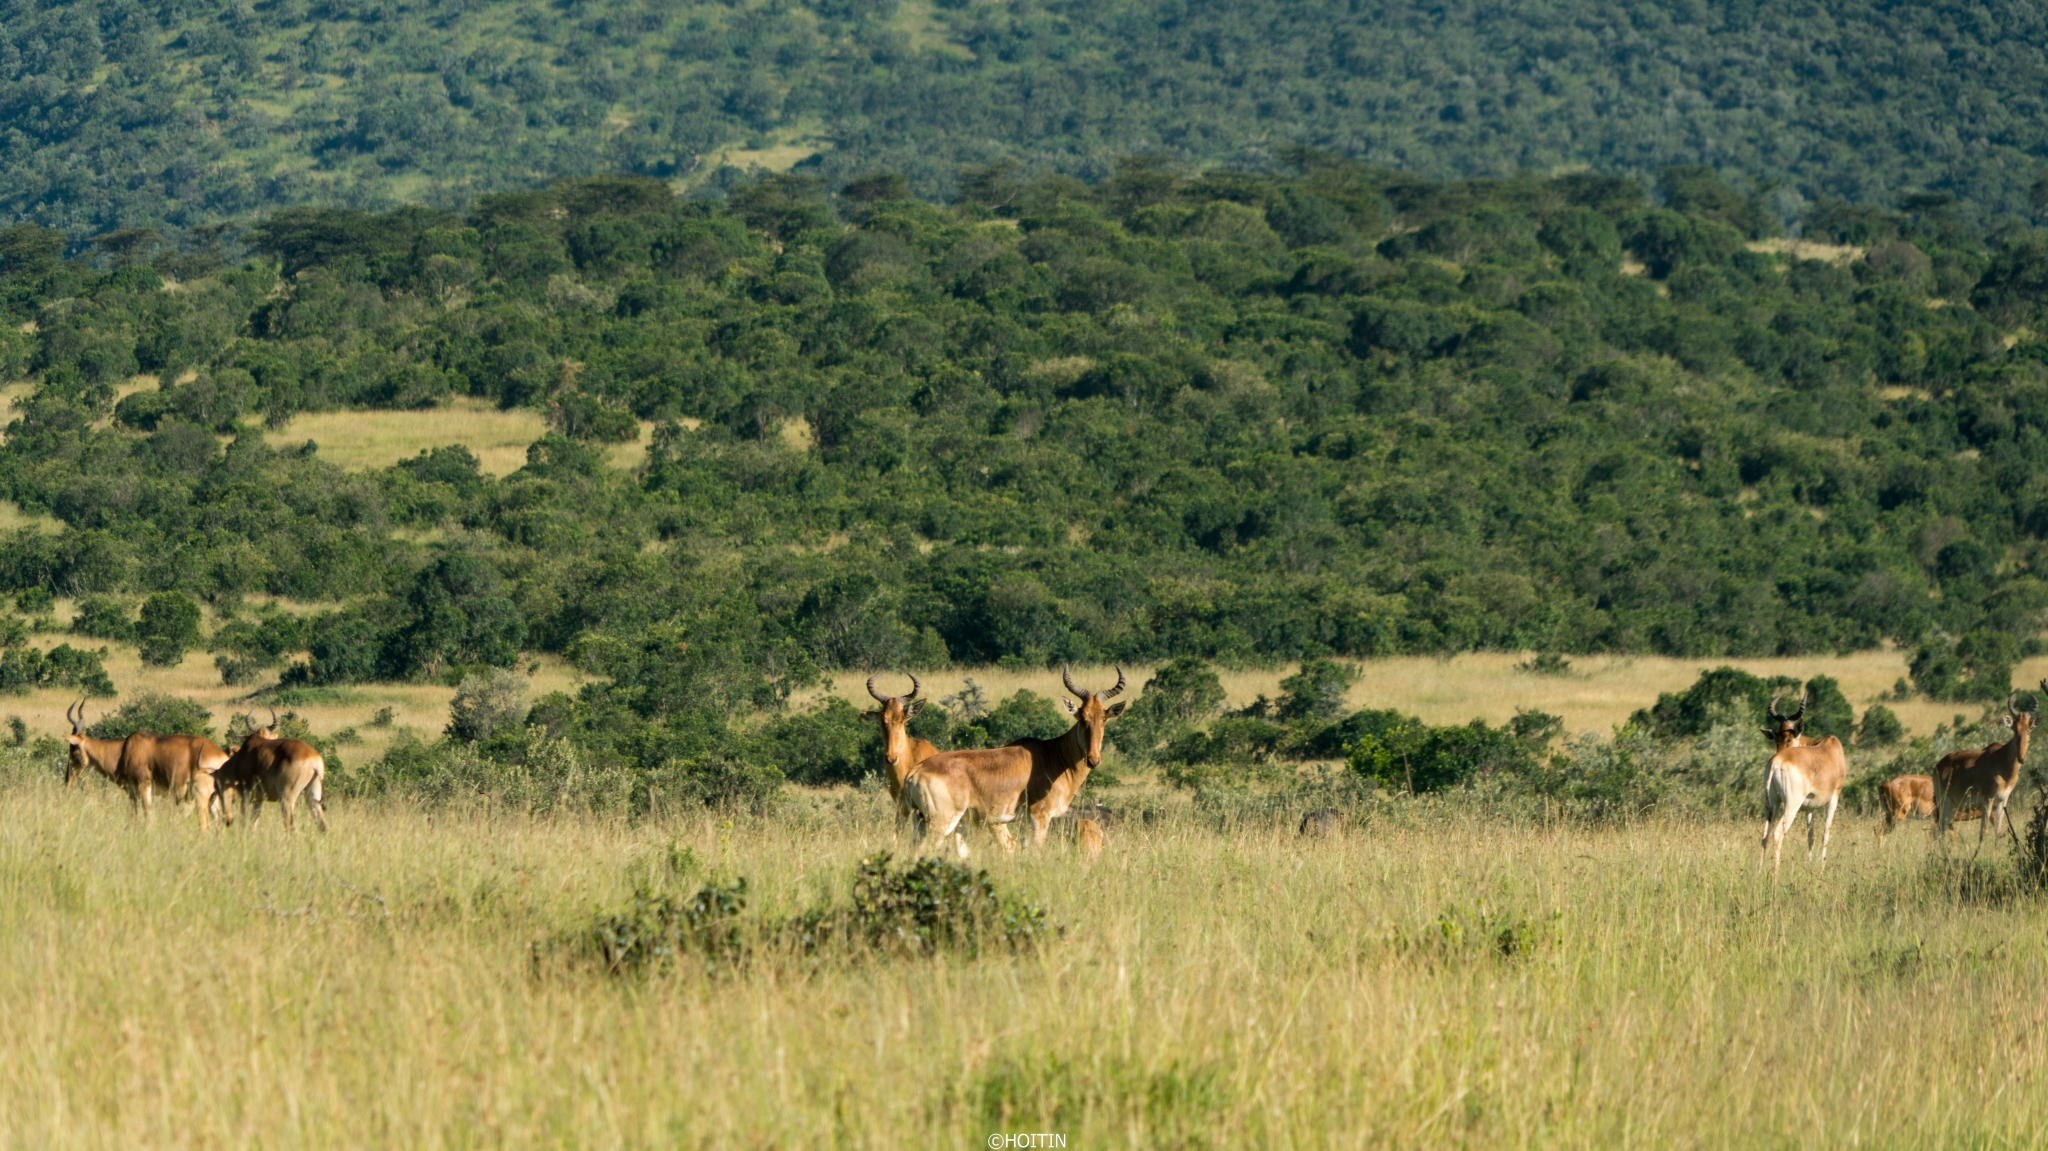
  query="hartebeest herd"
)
[
  {"x": 192, "y": 769},
  {"x": 1806, "y": 774},
  {"x": 935, "y": 791}
]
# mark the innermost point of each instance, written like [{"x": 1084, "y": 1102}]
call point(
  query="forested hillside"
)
[
  {"x": 121, "y": 113},
  {"x": 1241, "y": 417}
]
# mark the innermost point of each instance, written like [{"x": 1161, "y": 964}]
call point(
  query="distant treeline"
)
[
  {"x": 122, "y": 114},
  {"x": 1246, "y": 418}
]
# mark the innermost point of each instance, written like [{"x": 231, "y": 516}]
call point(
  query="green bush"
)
[
  {"x": 1025, "y": 715},
  {"x": 1182, "y": 694},
  {"x": 154, "y": 712},
  {"x": 1880, "y": 727},
  {"x": 102, "y": 618},
  {"x": 167, "y": 628}
]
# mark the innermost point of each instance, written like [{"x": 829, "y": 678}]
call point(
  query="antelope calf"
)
[
  {"x": 1038, "y": 777},
  {"x": 1803, "y": 774},
  {"x": 280, "y": 770},
  {"x": 1912, "y": 797},
  {"x": 1987, "y": 774}
]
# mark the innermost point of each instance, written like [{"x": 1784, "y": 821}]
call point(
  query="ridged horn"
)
[
  {"x": 915, "y": 687},
  {"x": 1111, "y": 693},
  {"x": 273, "y": 718},
  {"x": 1801, "y": 713},
  {"x": 2009, "y": 708},
  {"x": 1775, "y": 697},
  {"x": 879, "y": 697},
  {"x": 78, "y": 719},
  {"x": 1067, "y": 677}
]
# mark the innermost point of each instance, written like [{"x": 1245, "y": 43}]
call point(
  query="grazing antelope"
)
[
  {"x": 1912, "y": 797},
  {"x": 1989, "y": 774},
  {"x": 266, "y": 767},
  {"x": 1039, "y": 776},
  {"x": 899, "y": 751},
  {"x": 1803, "y": 773}
]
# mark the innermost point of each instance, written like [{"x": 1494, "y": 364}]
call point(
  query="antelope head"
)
[
  {"x": 1093, "y": 712},
  {"x": 267, "y": 731},
  {"x": 75, "y": 762},
  {"x": 896, "y": 711},
  {"x": 1783, "y": 729},
  {"x": 2022, "y": 722}
]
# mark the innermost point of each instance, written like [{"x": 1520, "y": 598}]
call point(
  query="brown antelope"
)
[
  {"x": 899, "y": 751},
  {"x": 266, "y": 767},
  {"x": 1989, "y": 774},
  {"x": 105, "y": 756},
  {"x": 1912, "y": 797},
  {"x": 1803, "y": 773},
  {"x": 1039, "y": 776}
]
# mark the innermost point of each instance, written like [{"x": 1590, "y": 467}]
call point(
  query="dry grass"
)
[
  {"x": 420, "y": 706},
  {"x": 372, "y": 987},
  {"x": 12, "y": 518},
  {"x": 378, "y": 439},
  {"x": 1599, "y": 693},
  {"x": 1809, "y": 250}
]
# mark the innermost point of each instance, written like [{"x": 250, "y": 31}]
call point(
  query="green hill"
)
[{"x": 120, "y": 113}]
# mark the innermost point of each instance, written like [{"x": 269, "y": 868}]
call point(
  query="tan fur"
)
[
  {"x": 278, "y": 770},
  {"x": 1802, "y": 774},
  {"x": 901, "y": 753},
  {"x": 145, "y": 764},
  {"x": 1912, "y": 797},
  {"x": 1039, "y": 777},
  {"x": 1987, "y": 774}
]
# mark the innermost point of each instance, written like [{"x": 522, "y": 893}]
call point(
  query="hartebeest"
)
[
  {"x": 1988, "y": 773},
  {"x": 1803, "y": 773},
  {"x": 145, "y": 763},
  {"x": 900, "y": 752},
  {"x": 104, "y": 756},
  {"x": 266, "y": 767},
  {"x": 1040, "y": 776},
  {"x": 1906, "y": 797}
]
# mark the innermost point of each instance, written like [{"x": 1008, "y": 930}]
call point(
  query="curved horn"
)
[
  {"x": 879, "y": 697},
  {"x": 1067, "y": 676},
  {"x": 1111, "y": 693},
  {"x": 273, "y": 717},
  {"x": 915, "y": 687},
  {"x": 2038, "y": 698},
  {"x": 1801, "y": 713},
  {"x": 76, "y": 719},
  {"x": 1775, "y": 697}
]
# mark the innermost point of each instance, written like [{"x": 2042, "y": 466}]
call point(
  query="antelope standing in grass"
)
[
  {"x": 899, "y": 750},
  {"x": 105, "y": 756},
  {"x": 1803, "y": 773},
  {"x": 1987, "y": 774},
  {"x": 266, "y": 767},
  {"x": 145, "y": 763},
  {"x": 1035, "y": 776}
]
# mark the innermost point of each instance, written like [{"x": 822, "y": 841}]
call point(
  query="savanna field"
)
[
  {"x": 1433, "y": 443},
  {"x": 1449, "y": 969}
]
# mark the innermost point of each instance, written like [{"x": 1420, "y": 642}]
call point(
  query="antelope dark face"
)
[
  {"x": 896, "y": 711},
  {"x": 1092, "y": 712},
  {"x": 76, "y": 760}
]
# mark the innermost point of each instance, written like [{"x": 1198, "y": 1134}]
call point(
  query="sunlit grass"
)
[
  {"x": 378, "y": 439},
  {"x": 374, "y": 987}
]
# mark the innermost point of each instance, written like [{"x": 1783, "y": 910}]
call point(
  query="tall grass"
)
[{"x": 1426, "y": 979}]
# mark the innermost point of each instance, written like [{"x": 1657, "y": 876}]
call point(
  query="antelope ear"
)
[
  {"x": 911, "y": 709},
  {"x": 874, "y": 715},
  {"x": 1113, "y": 710},
  {"x": 1069, "y": 705},
  {"x": 2007, "y": 721}
]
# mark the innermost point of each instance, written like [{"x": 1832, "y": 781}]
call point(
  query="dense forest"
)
[
  {"x": 186, "y": 113},
  {"x": 1243, "y": 418}
]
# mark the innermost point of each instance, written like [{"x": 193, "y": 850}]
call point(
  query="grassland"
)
[
  {"x": 374, "y": 987},
  {"x": 357, "y": 439}
]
